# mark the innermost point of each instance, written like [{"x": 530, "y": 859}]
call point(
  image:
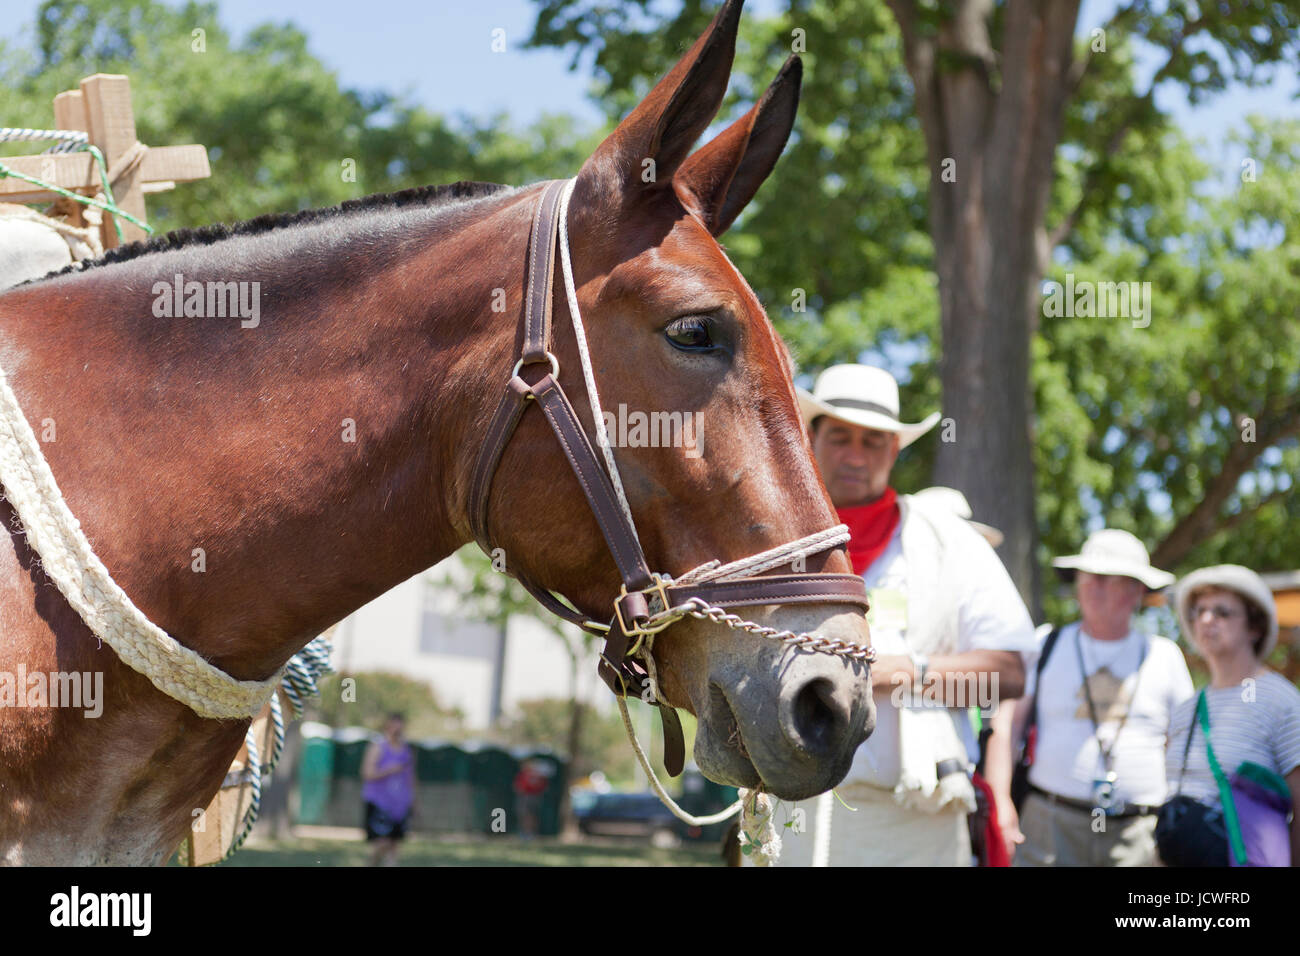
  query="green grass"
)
[{"x": 477, "y": 851}]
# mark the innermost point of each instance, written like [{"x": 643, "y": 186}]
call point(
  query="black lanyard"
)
[{"x": 1092, "y": 709}]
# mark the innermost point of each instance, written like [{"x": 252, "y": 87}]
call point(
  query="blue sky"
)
[{"x": 439, "y": 51}]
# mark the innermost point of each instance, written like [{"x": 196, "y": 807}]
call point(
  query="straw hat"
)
[
  {"x": 864, "y": 396},
  {"x": 1241, "y": 581},
  {"x": 1111, "y": 551}
]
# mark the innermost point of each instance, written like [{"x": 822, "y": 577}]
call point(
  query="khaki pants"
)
[
  {"x": 1063, "y": 836},
  {"x": 877, "y": 832}
]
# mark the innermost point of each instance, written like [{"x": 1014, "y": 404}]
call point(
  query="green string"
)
[{"x": 110, "y": 206}]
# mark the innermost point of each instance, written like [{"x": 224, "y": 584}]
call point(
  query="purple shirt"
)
[{"x": 394, "y": 793}]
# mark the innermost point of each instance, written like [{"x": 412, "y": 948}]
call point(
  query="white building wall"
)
[{"x": 418, "y": 629}]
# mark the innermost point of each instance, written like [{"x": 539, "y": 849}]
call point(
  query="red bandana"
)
[{"x": 870, "y": 528}]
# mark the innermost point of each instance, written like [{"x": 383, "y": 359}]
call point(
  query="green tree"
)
[
  {"x": 984, "y": 101},
  {"x": 366, "y": 699},
  {"x": 1185, "y": 431},
  {"x": 277, "y": 123}
]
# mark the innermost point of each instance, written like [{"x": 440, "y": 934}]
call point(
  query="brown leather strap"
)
[
  {"x": 596, "y": 485},
  {"x": 541, "y": 276},
  {"x": 500, "y": 429},
  {"x": 776, "y": 589},
  {"x": 674, "y": 742}
]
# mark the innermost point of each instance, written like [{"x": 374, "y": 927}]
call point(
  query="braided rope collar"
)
[{"x": 55, "y": 535}]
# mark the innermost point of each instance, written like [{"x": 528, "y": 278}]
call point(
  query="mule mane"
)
[{"x": 427, "y": 197}]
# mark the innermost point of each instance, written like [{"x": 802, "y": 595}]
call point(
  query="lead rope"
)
[
  {"x": 299, "y": 684},
  {"x": 602, "y": 437}
]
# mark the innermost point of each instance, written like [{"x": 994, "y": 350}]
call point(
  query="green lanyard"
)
[{"x": 1225, "y": 791}]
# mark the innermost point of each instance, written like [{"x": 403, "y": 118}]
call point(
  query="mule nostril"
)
[{"x": 818, "y": 719}]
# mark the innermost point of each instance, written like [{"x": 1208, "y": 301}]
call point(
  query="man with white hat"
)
[
  {"x": 1107, "y": 694},
  {"x": 946, "y": 621}
]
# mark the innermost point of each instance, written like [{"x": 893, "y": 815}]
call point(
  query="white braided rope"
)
[
  {"x": 66, "y": 140},
  {"x": 70, "y": 562},
  {"x": 755, "y": 808},
  {"x": 602, "y": 437},
  {"x": 658, "y": 788},
  {"x": 755, "y": 564}
]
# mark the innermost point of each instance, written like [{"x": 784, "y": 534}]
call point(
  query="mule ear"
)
[
  {"x": 720, "y": 179},
  {"x": 650, "y": 144}
]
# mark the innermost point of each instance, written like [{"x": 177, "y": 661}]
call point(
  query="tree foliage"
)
[
  {"x": 1140, "y": 428},
  {"x": 277, "y": 122}
]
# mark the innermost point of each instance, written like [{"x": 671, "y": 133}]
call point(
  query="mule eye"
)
[{"x": 690, "y": 333}]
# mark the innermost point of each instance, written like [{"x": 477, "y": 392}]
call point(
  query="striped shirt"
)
[{"x": 1259, "y": 722}]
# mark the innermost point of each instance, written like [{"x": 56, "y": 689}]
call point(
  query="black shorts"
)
[{"x": 381, "y": 826}]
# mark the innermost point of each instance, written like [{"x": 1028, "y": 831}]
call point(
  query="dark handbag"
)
[
  {"x": 1189, "y": 832},
  {"x": 1025, "y": 757}
]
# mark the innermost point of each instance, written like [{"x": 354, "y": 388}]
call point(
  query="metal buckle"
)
[{"x": 660, "y": 586}]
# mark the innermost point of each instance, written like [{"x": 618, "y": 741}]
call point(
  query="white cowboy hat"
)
[
  {"x": 950, "y": 499},
  {"x": 864, "y": 396},
  {"x": 1241, "y": 581},
  {"x": 1115, "y": 552}
]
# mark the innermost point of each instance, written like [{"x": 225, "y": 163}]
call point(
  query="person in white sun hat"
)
[
  {"x": 948, "y": 626},
  {"x": 1107, "y": 693},
  {"x": 1229, "y": 617}
]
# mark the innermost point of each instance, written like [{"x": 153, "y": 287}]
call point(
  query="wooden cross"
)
[{"x": 102, "y": 108}]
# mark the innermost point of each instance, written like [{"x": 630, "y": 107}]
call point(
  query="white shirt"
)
[
  {"x": 990, "y": 615},
  {"x": 1067, "y": 757}
]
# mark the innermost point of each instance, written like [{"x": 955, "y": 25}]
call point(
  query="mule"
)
[{"x": 249, "y": 483}]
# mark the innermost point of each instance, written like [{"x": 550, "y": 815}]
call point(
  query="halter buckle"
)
[{"x": 632, "y": 629}]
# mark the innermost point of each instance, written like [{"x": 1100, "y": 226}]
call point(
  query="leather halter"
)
[{"x": 644, "y": 595}]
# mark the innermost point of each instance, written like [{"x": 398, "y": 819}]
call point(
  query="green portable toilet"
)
[
  {"x": 556, "y": 781},
  {"x": 438, "y": 762},
  {"x": 444, "y": 793},
  {"x": 315, "y": 773},
  {"x": 492, "y": 776}
]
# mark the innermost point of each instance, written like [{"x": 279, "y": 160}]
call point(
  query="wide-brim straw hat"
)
[
  {"x": 1241, "y": 581},
  {"x": 1114, "y": 552},
  {"x": 950, "y": 499},
  {"x": 864, "y": 396}
]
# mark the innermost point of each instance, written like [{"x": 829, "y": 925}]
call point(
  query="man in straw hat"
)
[
  {"x": 946, "y": 621},
  {"x": 1107, "y": 693}
]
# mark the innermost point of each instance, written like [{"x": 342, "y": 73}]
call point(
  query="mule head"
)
[{"x": 681, "y": 347}]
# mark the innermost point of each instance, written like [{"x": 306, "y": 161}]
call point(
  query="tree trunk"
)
[
  {"x": 569, "y": 825},
  {"x": 992, "y": 122}
]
